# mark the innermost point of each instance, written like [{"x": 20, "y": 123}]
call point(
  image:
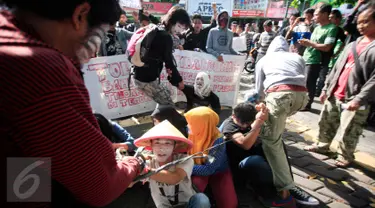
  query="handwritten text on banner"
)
[{"x": 106, "y": 79}]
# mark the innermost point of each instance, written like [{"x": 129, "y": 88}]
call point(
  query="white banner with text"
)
[{"x": 106, "y": 79}]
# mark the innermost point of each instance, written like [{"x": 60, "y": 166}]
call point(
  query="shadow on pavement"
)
[
  {"x": 370, "y": 128},
  {"x": 317, "y": 175},
  {"x": 315, "y": 111}
]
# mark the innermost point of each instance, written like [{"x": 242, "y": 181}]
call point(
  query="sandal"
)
[
  {"x": 341, "y": 162},
  {"x": 316, "y": 148}
]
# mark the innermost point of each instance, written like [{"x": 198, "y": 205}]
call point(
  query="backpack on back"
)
[{"x": 140, "y": 44}]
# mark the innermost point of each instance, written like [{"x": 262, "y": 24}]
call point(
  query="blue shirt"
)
[
  {"x": 123, "y": 136},
  {"x": 220, "y": 163}
]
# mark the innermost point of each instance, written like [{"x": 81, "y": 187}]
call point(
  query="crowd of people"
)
[{"x": 46, "y": 112}]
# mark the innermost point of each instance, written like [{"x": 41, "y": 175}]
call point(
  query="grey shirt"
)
[
  {"x": 361, "y": 81},
  {"x": 278, "y": 67},
  {"x": 219, "y": 41}
]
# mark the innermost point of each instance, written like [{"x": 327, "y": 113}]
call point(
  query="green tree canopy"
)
[{"x": 334, "y": 3}]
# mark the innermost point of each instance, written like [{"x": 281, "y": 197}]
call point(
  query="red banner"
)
[
  {"x": 247, "y": 13},
  {"x": 154, "y": 7}
]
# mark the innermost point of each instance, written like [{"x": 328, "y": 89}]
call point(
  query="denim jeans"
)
[
  {"x": 259, "y": 173},
  {"x": 199, "y": 201}
]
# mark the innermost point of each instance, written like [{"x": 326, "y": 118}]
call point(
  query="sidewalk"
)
[{"x": 306, "y": 124}]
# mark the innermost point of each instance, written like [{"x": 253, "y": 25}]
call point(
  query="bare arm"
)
[
  {"x": 322, "y": 47},
  {"x": 169, "y": 177},
  {"x": 290, "y": 32},
  {"x": 246, "y": 142}
]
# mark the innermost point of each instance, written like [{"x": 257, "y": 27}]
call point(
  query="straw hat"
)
[{"x": 164, "y": 130}]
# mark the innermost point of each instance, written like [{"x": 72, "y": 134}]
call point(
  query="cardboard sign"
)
[{"x": 239, "y": 43}]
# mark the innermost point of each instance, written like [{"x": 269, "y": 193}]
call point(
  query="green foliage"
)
[
  {"x": 296, "y": 3},
  {"x": 334, "y": 3}
]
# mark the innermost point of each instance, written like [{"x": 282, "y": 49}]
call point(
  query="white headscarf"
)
[{"x": 202, "y": 89}]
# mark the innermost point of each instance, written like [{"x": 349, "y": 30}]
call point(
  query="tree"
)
[{"x": 334, "y": 3}]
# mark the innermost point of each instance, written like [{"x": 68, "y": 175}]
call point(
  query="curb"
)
[{"x": 362, "y": 159}]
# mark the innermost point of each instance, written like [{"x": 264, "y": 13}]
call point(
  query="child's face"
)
[
  {"x": 366, "y": 24},
  {"x": 162, "y": 149}
]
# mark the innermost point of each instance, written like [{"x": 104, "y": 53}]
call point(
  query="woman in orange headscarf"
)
[{"x": 203, "y": 132}]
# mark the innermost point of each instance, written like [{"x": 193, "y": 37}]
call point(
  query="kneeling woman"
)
[
  {"x": 201, "y": 94},
  {"x": 203, "y": 132}
]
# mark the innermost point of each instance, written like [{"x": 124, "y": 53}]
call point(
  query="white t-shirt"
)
[{"x": 164, "y": 195}]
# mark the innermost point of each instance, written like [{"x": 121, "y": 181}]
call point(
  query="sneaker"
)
[
  {"x": 302, "y": 197},
  {"x": 307, "y": 108},
  {"x": 277, "y": 201}
]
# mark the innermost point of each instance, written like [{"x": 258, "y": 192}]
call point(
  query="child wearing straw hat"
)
[{"x": 171, "y": 187}]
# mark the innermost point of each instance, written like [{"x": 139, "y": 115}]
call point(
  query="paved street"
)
[
  {"x": 315, "y": 173},
  {"x": 306, "y": 123}
]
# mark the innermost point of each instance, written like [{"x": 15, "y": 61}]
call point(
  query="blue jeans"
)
[
  {"x": 259, "y": 175},
  {"x": 199, "y": 201},
  {"x": 258, "y": 169}
]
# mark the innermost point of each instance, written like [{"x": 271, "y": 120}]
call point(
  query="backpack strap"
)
[
  {"x": 356, "y": 57},
  {"x": 130, "y": 76},
  {"x": 176, "y": 191}
]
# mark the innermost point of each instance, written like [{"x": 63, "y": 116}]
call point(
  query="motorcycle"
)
[{"x": 250, "y": 62}]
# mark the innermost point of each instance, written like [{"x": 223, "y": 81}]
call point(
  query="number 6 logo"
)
[{"x": 23, "y": 177}]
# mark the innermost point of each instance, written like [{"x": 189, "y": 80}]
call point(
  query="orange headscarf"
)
[{"x": 203, "y": 129}]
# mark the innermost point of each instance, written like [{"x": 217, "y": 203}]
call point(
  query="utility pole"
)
[
  {"x": 287, "y": 8},
  {"x": 286, "y": 14},
  {"x": 303, "y": 6}
]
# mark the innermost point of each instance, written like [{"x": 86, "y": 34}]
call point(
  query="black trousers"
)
[
  {"x": 322, "y": 79},
  {"x": 138, "y": 196},
  {"x": 313, "y": 71}
]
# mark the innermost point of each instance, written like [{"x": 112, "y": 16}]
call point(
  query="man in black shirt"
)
[
  {"x": 244, "y": 127},
  {"x": 246, "y": 156},
  {"x": 160, "y": 54},
  {"x": 196, "y": 37}
]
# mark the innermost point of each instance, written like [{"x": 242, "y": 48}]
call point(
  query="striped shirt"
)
[
  {"x": 45, "y": 112},
  {"x": 265, "y": 40},
  {"x": 249, "y": 39}
]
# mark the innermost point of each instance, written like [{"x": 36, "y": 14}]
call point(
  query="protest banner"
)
[
  {"x": 134, "y": 4},
  {"x": 277, "y": 9},
  {"x": 239, "y": 43},
  {"x": 204, "y": 7},
  {"x": 106, "y": 79},
  {"x": 154, "y": 8}
]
